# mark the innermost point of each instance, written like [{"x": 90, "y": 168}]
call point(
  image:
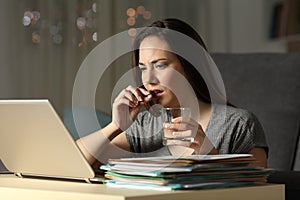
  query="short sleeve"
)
[{"x": 248, "y": 135}]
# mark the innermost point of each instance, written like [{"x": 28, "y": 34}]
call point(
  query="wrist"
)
[{"x": 112, "y": 130}]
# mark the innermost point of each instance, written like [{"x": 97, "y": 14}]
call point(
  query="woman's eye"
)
[
  {"x": 142, "y": 68},
  {"x": 161, "y": 66}
]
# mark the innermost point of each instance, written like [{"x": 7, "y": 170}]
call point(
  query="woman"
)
[{"x": 168, "y": 75}]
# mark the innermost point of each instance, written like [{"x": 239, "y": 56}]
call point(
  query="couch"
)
[
  {"x": 268, "y": 84},
  {"x": 84, "y": 121}
]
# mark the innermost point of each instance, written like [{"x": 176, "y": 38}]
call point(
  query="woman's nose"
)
[{"x": 150, "y": 76}]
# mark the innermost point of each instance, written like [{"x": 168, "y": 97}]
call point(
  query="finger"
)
[
  {"x": 144, "y": 95},
  {"x": 128, "y": 95},
  {"x": 127, "y": 102},
  {"x": 187, "y": 120},
  {"x": 125, "y": 93},
  {"x": 148, "y": 97},
  {"x": 183, "y": 134},
  {"x": 144, "y": 92},
  {"x": 136, "y": 92},
  {"x": 146, "y": 101},
  {"x": 178, "y": 126}
]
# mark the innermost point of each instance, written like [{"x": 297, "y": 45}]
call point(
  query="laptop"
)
[{"x": 35, "y": 143}]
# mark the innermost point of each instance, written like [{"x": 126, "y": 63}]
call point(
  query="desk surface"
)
[{"x": 12, "y": 187}]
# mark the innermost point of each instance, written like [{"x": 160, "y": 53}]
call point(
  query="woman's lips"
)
[{"x": 156, "y": 93}]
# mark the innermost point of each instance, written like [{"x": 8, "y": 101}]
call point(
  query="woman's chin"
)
[{"x": 166, "y": 103}]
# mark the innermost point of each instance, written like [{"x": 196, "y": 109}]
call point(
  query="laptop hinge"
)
[
  {"x": 19, "y": 175},
  {"x": 87, "y": 180}
]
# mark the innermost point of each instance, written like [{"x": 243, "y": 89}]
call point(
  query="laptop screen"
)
[{"x": 34, "y": 141}]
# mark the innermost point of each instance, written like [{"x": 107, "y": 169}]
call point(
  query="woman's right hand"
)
[{"x": 127, "y": 105}]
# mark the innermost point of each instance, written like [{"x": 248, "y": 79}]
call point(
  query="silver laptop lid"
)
[{"x": 34, "y": 141}]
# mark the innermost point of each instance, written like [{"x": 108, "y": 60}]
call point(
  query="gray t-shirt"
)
[{"x": 231, "y": 130}]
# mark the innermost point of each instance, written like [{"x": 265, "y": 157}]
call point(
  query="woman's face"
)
[{"x": 162, "y": 72}]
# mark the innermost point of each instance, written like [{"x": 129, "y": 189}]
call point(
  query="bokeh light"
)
[
  {"x": 36, "y": 38},
  {"x": 131, "y": 12},
  {"x": 147, "y": 15},
  {"x": 141, "y": 10},
  {"x": 81, "y": 23},
  {"x": 136, "y": 18},
  {"x": 132, "y": 32},
  {"x": 95, "y": 36},
  {"x": 131, "y": 21}
]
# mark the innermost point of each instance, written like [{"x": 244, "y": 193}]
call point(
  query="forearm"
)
[
  {"x": 93, "y": 145},
  {"x": 260, "y": 156}
]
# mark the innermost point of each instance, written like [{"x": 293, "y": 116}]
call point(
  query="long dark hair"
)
[{"x": 160, "y": 28}]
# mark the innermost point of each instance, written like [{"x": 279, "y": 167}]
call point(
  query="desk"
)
[{"x": 12, "y": 187}]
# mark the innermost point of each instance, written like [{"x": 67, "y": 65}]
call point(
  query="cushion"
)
[
  {"x": 268, "y": 85},
  {"x": 88, "y": 120}
]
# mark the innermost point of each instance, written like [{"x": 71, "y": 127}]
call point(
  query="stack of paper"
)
[{"x": 184, "y": 172}]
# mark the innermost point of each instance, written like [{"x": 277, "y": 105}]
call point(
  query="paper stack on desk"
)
[{"x": 184, "y": 172}]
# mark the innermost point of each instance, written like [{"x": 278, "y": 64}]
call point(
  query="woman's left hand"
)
[{"x": 200, "y": 143}]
